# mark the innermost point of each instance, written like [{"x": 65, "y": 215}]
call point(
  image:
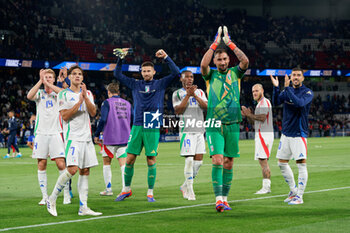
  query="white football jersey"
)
[
  {"x": 78, "y": 128},
  {"x": 266, "y": 128},
  {"x": 47, "y": 114},
  {"x": 193, "y": 112}
]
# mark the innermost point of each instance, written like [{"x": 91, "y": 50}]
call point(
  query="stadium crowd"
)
[
  {"x": 43, "y": 30},
  {"x": 325, "y": 115}
]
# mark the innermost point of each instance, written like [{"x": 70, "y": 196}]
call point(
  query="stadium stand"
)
[{"x": 49, "y": 30}]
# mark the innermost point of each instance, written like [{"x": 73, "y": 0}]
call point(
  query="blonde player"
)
[
  {"x": 262, "y": 119},
  {"x": 76, "y": 105},
  {"x": 48, "y": 140},
  {"x": 189, "y": 103}
]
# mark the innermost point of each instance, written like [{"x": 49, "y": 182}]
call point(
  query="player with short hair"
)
[
  {"x": 48, "y": 140},
  {"x": 115, "y": 124},
  {"x": 148, "y": 95},
  {"x": 11, "y": 130},
  {"x": 189, "y": 103},
  {"x": 263, "y": 125},
  {"x": 223, "y": 89},
  {"x": 76, "y": 105},
  {"x": 31, "y": 137},
  {"x": 296, "y": 101}
]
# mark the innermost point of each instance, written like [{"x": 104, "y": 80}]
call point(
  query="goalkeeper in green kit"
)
[{"x": 223, "y": 89}]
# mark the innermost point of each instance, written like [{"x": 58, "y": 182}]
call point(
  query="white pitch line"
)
[{"x": 158, "y": 210}]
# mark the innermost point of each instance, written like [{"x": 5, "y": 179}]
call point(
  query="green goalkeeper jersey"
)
[{"x": 223, "y": 95}]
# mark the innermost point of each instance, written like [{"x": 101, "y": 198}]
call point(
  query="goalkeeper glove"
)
[
  {"x": 227, "y": 39},
  {"x": 217, "y": 40},
  {"x": 121, "y": 53}
]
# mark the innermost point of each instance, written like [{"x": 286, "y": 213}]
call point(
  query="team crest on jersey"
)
[
  {"x": 147, "y": 88},
  {"x": 43, "y": 97},
  {"x": 72, "y": 99}
]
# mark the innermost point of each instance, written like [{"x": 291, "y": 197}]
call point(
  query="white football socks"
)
[
  {"x": 122, "y": 170},
  {"x": 83, "y": 189},
  {"x": 66, "y": 187},
  {"x": 287, "y": 173},
  {"x": 267, "y": 184},
  {"x": 150, "y": 192},
  {"x": 60, "y": 184},
  {"x": 219, "y": 198},
  {"x": 302, "y": 179},
  {"x": 196, "y": 166},
  {"x": 42, "y": 178},
  {"x": 107, "y": 175},
  {"x": 188, "y": 171}
]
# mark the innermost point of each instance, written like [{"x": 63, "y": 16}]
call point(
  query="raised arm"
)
[
  {"x": 129, "y": 82},
  {"x": 32, "y": 92},
  {"x": 277, "y": 97},
  {"x": 175, "y": 72},
  {"x": 243, "y": 59},
  {"x": 205, "y": 69}
]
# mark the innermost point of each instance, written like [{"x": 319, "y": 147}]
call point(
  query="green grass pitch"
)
[{"x": 327, "y": 210}]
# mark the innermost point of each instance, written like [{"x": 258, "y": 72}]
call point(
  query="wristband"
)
[{"x": 231, "y": 45}]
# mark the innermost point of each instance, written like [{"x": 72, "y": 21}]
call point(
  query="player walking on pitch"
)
[
  {"x": 263, "y": 125},
  {"x": 296, "y": 101},
  {"x": 115, "y": 124},
  {"x": 189, "y": 103},
  {"x": 148, "y": 96},
  {"x": 76, "y": 105},
  {"x": 223, "y": 104},
  {"x": 48, "y": 142}
]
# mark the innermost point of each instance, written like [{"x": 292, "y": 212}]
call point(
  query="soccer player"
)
[
  {"x": 76, "y": 105},
  {"x": 12, "y": 131},
  {"x": 189, "y": 103},
  {"x": 223, "y": 105},
  {"x": 263, "y": 125},
  {"x": 296, "y": 101},
  {"x": 30, "y": 141},
  {"x": 115, "y": 124},
  {"x": 48, "y": 140},
  {"x": 148, "y": 95}
]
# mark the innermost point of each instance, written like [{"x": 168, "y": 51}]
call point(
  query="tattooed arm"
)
[{"x": 243, "y": 59}]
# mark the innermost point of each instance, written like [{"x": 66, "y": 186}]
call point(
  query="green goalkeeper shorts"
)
[
  {"x": 141, "y": 137},
  {"x": 223, "y": 140}
]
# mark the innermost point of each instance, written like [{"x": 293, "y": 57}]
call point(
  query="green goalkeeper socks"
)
[
  {"x": 227, "y": 180},
  {"x": 128, "y": 174},
  {"x": 217, "y": 179},
  {"x": 151, "y": 178}
]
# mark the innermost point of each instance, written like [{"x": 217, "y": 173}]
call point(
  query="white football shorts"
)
[
  {"x": 48, "y": 145},
  {"x": 292, "y": 148},
  {"x": 192, "y": 143},
  {"x": 81, "y": 154}
]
